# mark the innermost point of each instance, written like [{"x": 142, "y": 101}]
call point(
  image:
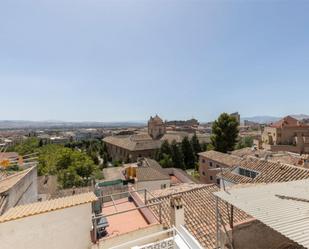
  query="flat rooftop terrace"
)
[
  {"x": 127, "y": 212},
  {"x": 125, "y": 222}
]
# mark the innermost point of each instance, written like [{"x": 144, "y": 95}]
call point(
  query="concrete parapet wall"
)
[
  {"x": 123, "y": 238},
  {"x": 24, "y": 191}
]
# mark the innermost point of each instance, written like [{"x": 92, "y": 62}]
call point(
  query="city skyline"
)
[{"x": 124, "y": 61}]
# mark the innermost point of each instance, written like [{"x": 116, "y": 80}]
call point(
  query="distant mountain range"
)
[
  {"x": 24, "y": 124},
  {"x": 271, "y": 119}
]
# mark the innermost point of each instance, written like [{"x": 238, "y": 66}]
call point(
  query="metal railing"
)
[{"x": 139, "y": 203}]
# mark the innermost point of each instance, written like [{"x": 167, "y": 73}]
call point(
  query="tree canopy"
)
[
  {"x": 224, "y": 133},
  {"x": 73, "y": 166},
  {"x": 195, "y": 145},
  {"x": 188, "y": 153},
  {"x": 177, "y": 156},
  {"x": 244, "y": 142}
]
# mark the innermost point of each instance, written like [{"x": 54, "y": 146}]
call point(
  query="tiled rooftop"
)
[
  {"x": 268, "y": 172},
  {"x": 224, "y": 158},
  {"x": 248, "y": 151},
  {"x": 281, "y": 156},
  {"x": 46, "y": 206},
  {"x": 286, "y": 121},
  {"x": 150, "y": 174},
  {"x": 143, "y": 141},
  {"x": 133, "y": 143},
  {"x": 200, "y": 212}
]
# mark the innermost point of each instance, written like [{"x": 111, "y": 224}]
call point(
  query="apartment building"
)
[{"x": 212, "y": 162}]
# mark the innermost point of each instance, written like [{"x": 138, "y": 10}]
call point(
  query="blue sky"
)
[{"x": 90, "y": 60}]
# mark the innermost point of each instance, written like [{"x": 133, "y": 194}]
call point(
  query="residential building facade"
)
[
  {"x": 288, "y": 134},
  {"x": 212, "y": 162}
]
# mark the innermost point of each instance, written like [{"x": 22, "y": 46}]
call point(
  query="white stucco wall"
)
[
  {"x": 62, "y": 229},
  {"x": 130, "y": 236},
  {"x": 152, "y": 185}
]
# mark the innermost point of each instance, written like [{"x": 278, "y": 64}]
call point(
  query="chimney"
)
[{"x": 177, "y": 211}]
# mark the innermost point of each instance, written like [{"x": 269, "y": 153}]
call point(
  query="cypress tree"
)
[
  {"x": 188, "y": 154},
  {"x": 177, "y": 156}
]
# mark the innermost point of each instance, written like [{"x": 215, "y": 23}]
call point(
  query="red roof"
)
[{"x": 286, "y": 121}]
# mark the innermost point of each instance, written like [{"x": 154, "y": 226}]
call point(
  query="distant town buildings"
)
[
  {"x": 128, "y": 148},
  {"x": 288, "y": 134},
  {"x": 190, "y": 122},
  {"x": 236, "y": 115}
]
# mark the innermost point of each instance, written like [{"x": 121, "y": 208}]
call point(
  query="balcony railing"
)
[
  {"x": 168, "y": 239},
  {"x": 140, "y": 199}
]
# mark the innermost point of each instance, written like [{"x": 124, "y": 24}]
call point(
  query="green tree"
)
[
  {"x": 27, "y": 146},
  {"x": 195, "y": 146},
  {"x": 166, "y": 161},
  {"x": 177, "y": 156},
  {"x": 210, "y": 147},
  {"x": 165, "y": 149},
  {"x": 72, "y": 167},
  {"x": 188, "y": 153},
  {"x": 225, "y": 133},
  {"x": 244, "y": 142},
  {"x": 104, "y": 153},
  {"x": 41, "y": 143},
  {"x": 75, "y": 168},
  {"x": 204, "y": 146},
  {"x": 49, "y": 155}
]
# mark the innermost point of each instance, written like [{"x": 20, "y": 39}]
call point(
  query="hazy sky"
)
[{"x": 116, "y": 60}]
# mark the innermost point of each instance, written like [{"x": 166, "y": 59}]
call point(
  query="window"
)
[
  {"x": 211, "y": 178},
  {"x": 218, "y": 181},
  {"x": 218, "y": 166},
  {"x": 210, "y": 164},
  {"x": 163, "y": 186},
  {"x": 203, "y": 160},
  {"x": 203, "y": 173},
  {"x": 248, "y": 173}
]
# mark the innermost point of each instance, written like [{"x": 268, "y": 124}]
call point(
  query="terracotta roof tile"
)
[
  {"x": 224, "y": 158},
  {"x": 133, "y": 143},
  {"x": 46, "y": 206},
  {"x": 286, "y": 121},
  {"x": 268, "y": 172},
  {"x": 200, "y": 211},
  {"x": 150, "y": 174}
]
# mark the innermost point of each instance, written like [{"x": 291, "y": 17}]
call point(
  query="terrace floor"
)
[{"x": 125, "y": 222}]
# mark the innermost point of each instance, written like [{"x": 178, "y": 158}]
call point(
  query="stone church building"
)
[{"x": 128, "y": 148}]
